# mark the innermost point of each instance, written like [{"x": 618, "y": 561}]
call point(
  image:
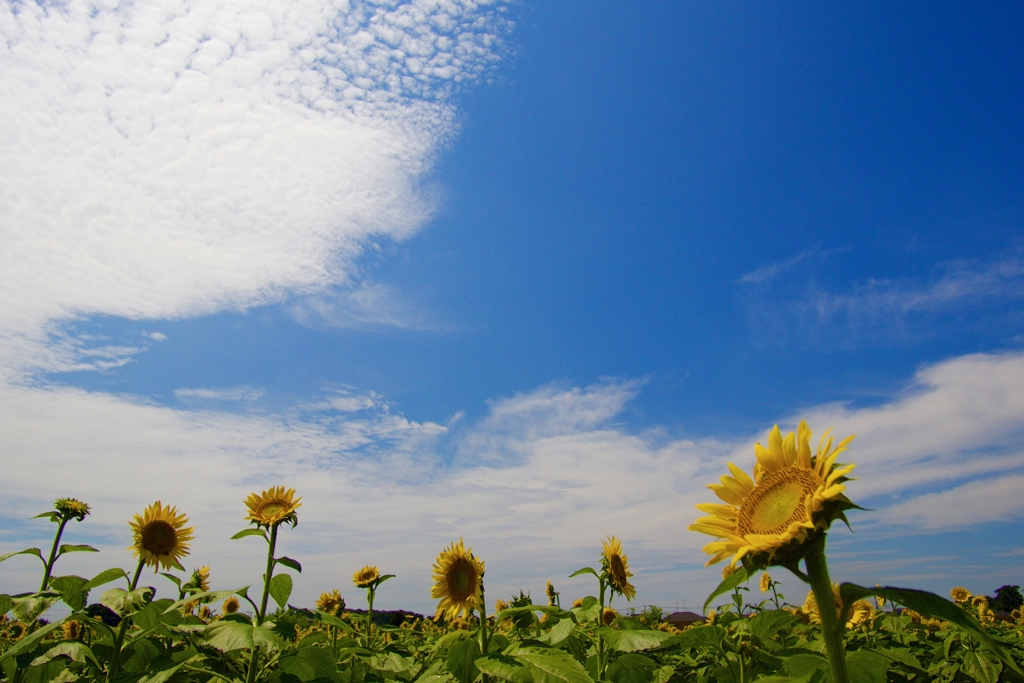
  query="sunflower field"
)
[{"x": 776, "y": 517}]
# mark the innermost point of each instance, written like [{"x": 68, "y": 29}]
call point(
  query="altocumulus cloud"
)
[{"x": 165, "y": 159}]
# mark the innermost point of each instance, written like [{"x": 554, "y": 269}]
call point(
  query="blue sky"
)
[{"x": 526, "y": 274}]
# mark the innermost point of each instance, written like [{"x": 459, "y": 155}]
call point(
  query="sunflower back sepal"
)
[
  {"x": 729, "y": 583},
  {"x": 931, "y": 605}
]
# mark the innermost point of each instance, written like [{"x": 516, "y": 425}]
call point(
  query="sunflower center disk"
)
[
  {"x": 159, "y": 537},
  {"x": 461, "y": 580},
  {"x": 777, "y": 501},
  {"x": 271, "y": 509}
]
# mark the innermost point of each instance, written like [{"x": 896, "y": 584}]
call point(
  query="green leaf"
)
[
  {"x": 28, "y": 608},
  {"x": 227, "y": 636},
  {"x": 449, "y": 639},
  {"x": 71, "y": 590},
  {"x": 5, "y": 604},
  {"x": 391, "y": 661},
  {"x": 504, "y": 667},
  {"x": 165, "y": 675},
  {"x": 559, "y": 632},
  {"x": 332, "y": 620},
  {"x": 264, "y": 636},
  {"x": 584, "y": 570},
  {"x": 981, "y": 666},
  {"x": 553, "y": 666},
  {"x": 632, "y": 668},
  {"x": 632, "y": 641},
  {"x": 44, "y": 673},
  {"x": 865, "y": 666},
  {"x": 698, "y": 636},
  {"x": 934, "y": 606},
  {"x": 27, "y": 551},
  {"x": 105, "y": 576},
  {"x": 767, "y": 623},
  {"x": 75, "y": 548},
  {"x": 461, "y": 660},
  {"x": 664, "y": 673},
  {"x": 251, "y": 532},
  {"x": 54, "y": 516},
  {"x": 281, "y": 588},
  {"x": 140, "y": 657},
  {"x": 902, "y": 656},
  {"x": 76, "y": 652},
  {"x": 172, "y": 578},
  {"x": 290, "y": 563},
  {"x": 124, "y": 602},
  {"x": 799, "y": 666},
  {"x": 729, "y": 583},
  {"x": 309, "y": 664}
]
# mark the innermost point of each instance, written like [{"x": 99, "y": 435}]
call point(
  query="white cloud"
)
[
  {"x": 772, "y": 270},
  {"x": 164, "y": 160},
  {"x": 367, "y": 306},
  {"x": 232, "y": 394},
  {"x": 532, "y": 487}
]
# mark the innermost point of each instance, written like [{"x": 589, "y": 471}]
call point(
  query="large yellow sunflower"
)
[
  {"x": 616, "y": 566},
  {"x": 273, "y": 506},
  {"x": 365, "y": 577},
  {"x": 458, "y": 581},
  {"x": 791, "y": 494},
  {"x": 860, "y": 612},
  {"x": 161, "y": 537}
]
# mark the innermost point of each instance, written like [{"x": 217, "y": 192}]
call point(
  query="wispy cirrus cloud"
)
[{"x": 882, "y": 309}]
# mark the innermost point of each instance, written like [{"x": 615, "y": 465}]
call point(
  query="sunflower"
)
[
  {"x": 860, "y": 612},
  {"x": 766, "y": 582},
  {"x": 331, "y": 602},
  {"x": 552, "y": 594},
  {"x": 578, "y": 602},
  {"x": 365, "y": 577},
  {"x": 273, "y": 506},
  {"x": 616, "y": 568},
  {"x": 230, "y": 605},
  {"x": 71, "y": 507},
  {"x": 458, "y": 581},
  {"x": 727, "y": 570},
  {"x": 71, "y": 630},
  {"x": 608, "y": 616},
  {"x": 791, "y": 494},
  {"x": 960, "y": 594},
  {"x": 161, "y": 537},
  {"x": 500, "y": 605},
  {"x": 200, "y": 580}
]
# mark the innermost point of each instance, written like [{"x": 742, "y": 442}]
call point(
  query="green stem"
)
[
  {"x": 115, "y": 656},
  {"x": 369, "y": 616},
  {"x": 261, "y": 614},
  {"x": 831, "y": 629},
  {"x": 53, "y": 554},
  {"x": 600, "y": 640},
  {"x": 266, "y": 577}
]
